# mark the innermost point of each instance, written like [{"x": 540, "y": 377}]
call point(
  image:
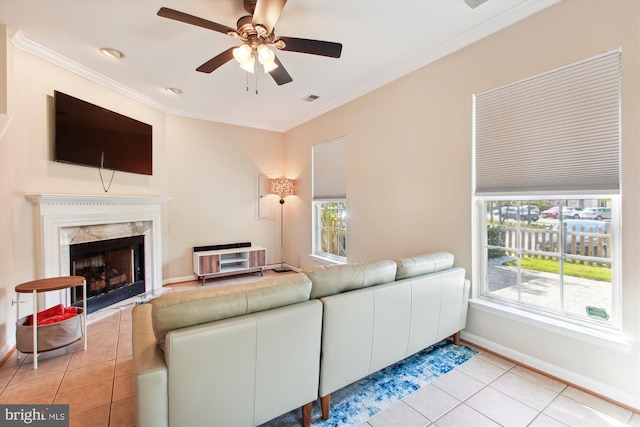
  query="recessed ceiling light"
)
[
  {"x": 310, "y": 98},
  {"x": 173, "y": 90},
  {"x": 111, "y": 52}
]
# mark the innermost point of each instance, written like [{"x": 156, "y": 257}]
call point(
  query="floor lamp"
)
[{"x": 283, "y": 187}]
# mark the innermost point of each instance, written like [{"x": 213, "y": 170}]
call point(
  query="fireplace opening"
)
[{"x": 113, "y": 269}]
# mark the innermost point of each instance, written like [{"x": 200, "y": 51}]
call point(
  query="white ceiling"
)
[{"x": 382, "y": 40}]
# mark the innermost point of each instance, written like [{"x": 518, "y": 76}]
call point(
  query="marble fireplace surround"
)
[{"x": 64, "y": 219}]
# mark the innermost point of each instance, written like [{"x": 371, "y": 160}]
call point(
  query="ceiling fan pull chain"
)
[
  {"x": 256, "y": 74},
  {"x": 247, "y": 85}
]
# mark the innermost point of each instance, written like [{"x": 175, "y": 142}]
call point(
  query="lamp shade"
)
[{"x": 282, "y": 187}]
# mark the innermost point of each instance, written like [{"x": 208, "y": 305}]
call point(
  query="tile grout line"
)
[
  {"x": 484, "y": 387},
  {"x": 64, "y": 373},
  {"x": 552, "y": 377},
  {"x": 115, "y": 363},
  {"x": 539, "y": 412}
]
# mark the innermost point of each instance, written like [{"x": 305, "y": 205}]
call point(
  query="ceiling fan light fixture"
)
[
  {"x": 242, "y": 53},
  {"x": 269, "y": 66},
  {"x": 248, "y": 64},
  {"x": 267, "y": 58},
  {"x": 265, "y": 54}
]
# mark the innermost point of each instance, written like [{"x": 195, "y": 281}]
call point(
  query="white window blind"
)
[
  {"x": 555, "y": 132},
  {"x": 329, "y": 170}
]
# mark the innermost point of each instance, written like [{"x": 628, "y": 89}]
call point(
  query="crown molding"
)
[
  {"x": 485, "y": 29},
  {"x": 23, "y": 43},
  {"x": 493, "y": 25}
]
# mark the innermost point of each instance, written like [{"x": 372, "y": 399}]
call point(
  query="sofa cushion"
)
[
  {"x": 183, "y": 309},
  {"x": 333, "y": 279},
  {"x": 423, "y": 264}
]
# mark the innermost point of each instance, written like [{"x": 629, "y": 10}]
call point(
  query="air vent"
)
[
  {"x": 474, "y": 3},
  {"x": 310, "y": 98}
]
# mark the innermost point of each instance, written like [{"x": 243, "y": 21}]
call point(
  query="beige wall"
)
[
  {"x": 409, "y": 182},
  {"x": 213, "y": 186},
  {"x": 208, "y": 170}
]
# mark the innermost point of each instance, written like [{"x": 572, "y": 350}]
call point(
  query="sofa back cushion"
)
[
  {"x": 333, "y": 279},
  {"x": 188, "y": 308},
  {"x": 423, "y": 264}
]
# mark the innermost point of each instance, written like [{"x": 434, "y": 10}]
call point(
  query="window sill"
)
[
  {"x": 328, "y": 260},
  {"x": 610, "y": 340}
]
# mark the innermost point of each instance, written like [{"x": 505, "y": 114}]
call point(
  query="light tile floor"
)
[
  {"x": 491, "y": 391},
  {"x": 486, "y": 391}
]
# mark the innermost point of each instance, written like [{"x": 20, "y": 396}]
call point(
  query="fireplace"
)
[
  {"x": 113, "y": 269},
  {"x": 69, "y": 221}
]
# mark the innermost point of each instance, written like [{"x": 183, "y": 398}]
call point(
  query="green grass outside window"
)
[{"x": 592, "y": 272}]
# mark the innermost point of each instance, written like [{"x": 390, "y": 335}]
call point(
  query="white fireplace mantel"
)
[{"x": 61, "y": 215}]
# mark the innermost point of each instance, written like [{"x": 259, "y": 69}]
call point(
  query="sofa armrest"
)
[
  {"x": 453, "y": 303},
  {"x": 150, "y": 370}
]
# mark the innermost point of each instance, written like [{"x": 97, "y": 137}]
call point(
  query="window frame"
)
[
  {"x": 481, "y": 294},
  {"x": 317, "y": 230}
]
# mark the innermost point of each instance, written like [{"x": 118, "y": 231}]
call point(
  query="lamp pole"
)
[{"x": 281, "y": 269}]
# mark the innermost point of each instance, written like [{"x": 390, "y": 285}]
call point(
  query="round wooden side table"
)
[{"x": 52, "y": 284}]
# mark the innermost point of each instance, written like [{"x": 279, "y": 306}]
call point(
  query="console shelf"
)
[{"x": 226, "y": 262}]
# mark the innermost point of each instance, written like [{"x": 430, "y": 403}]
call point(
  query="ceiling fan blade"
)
[
  {"x": 267, "y": 13},
  {"x": 314, "y": 47},
  {"x": 217, "y": 61},
  {"x": 165, "y": 12},
  {"x": 280, "y": 75}
]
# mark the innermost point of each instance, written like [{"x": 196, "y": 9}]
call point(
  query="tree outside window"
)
[{"x": 330, "y": 224}]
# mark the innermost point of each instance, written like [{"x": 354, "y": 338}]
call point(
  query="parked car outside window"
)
[
  {"x": 580, "y": 230},
  {"x": 567, "y": 212},
  {"x": 552, "y": 212},
  {"x": 596, "y": 213},
  {"x": 527, "y": 212},
  {"x": 571, "y": 212}
]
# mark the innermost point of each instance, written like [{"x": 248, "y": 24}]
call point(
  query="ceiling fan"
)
[{"x": 256, "y": 30}]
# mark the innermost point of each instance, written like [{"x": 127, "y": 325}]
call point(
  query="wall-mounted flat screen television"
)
[{"x": 88, "y": 135}]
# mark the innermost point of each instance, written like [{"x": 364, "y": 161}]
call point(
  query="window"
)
[
  {"x": 329, "y": 222},
  {"x": 330, "y": 219},
  {"x": 547, "y": 256},
  {"x": 547, "y": 191}
]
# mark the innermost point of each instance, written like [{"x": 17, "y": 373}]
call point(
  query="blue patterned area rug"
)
[{"x": 356, "y": 403}]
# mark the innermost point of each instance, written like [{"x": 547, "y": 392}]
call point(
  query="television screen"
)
[{"x": 88, "y": 135}]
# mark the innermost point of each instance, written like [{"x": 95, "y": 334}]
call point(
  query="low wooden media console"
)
[{"x": 221, "y": 262}]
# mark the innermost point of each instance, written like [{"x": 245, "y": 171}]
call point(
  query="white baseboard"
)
[
  {"x": 6, "y": 349},
  {"x": 285, "y": 265},
  {"x": 179, "y": 280},
  {"x": 563, "y": 374}
]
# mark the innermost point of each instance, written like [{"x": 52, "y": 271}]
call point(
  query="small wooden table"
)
[{"x": 52, "y": 284}]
